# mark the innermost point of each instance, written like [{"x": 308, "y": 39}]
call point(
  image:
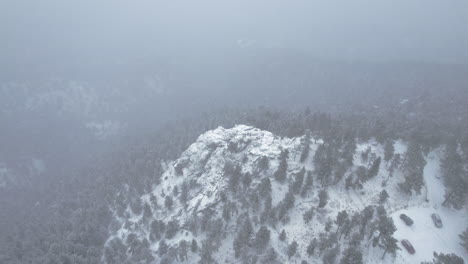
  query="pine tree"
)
[
  {"x": 389, "y": 150},
  {"x": 147, "y": 213},
  {"x": 383, "y": 196},
  {"x": 280, "y": 173},
  {"x": 282, "y": 235},
  {"x": 298, "y": 180},
  {"x": 243, "y": 237},
  {"x": 292, "y": 249},
  {"x": 349, "y": 182},
  {"x": 413, "y": 167},
  {"x": 194, "y": 246},
  {"x": 351, "y": 255},
  {"x": 163, "y": 247},
  {"x": 464, "y": 239},
  {"x": 286, "y": 204},
  {"x": 341, "y": 218},
  {"x": 183, "y": 249},
  {"x": 270, "y": 257},
  {"x": 168, "y": 202},
  {"x": 374, "y": 169},
  {"x": 309, "y": 181},
  {"x": 324, "y": 162},
  {"x": 172, "y": 228},
  {"x": 246, "y": 180},
  {"x": 184, "y": 189},
  {"x": 311, "y": 247},
  {"x": 308, "y": 215},
  {"x": 447, "y": 259},
  {"x": 455, "y": 178},
  {"x": 234, "y": 174},
  {"x": 365, "y": 154},
  {"x": 390, "y": 244},
  {"x": 305, "y": 146},
  {"x": 263, "y": 163},
  {"x": 262, "y": 238},
  {"x": 330, "y": 255},
  {"x": 153, "y": 200},
  {"x": 206, "y": 252},
  {"x": 323, "y": 198},
  {"x": 264, "y": 188}
]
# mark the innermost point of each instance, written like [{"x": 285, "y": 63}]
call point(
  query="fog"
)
[
  {"x": 67, "y": 37},
  {"x": 96, "y": 94}
]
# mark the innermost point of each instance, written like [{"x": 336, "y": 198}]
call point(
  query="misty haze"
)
[{"x": 233, "y": 132}]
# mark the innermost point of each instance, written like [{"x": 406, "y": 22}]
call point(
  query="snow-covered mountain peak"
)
[
  {"x": 243, "y": 192},
  {"x": 241, "y": 148},
  {"x": 240, "y": 139}
]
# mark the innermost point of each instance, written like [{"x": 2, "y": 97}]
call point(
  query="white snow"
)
[
  {"x": 423, "y": 235},
  {"x": 204, "y": 161}
]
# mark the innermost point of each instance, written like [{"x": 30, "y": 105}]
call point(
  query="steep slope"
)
[{"x": 234, "y": 191}]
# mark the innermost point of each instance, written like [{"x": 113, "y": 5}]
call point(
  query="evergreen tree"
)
[
  {"x": 323, "y": 198},
  {"x": 246, "y": 180},
  {"x": 330, "y": 255},
  {"x": 243, "y": 237},
  {"x": 147, "y": 212},
  {"x": 305, "y": 146},
  {"x": 351, "y": 255},
  {"x": 367, "y": 215},
  {"x": 374, "y": 169},
  {"x": 324, "y": 162},
  {"x": 183, "y": 250},
  {"x": 234, "y": 174},
  {"x": 194, "y": 246},
  {"x": 389, "y": 150},
  {"x": 413, "y": 167},
  {"x": 455, "y": 178},
  {"x": 184, "y": 194},
  {"x": 349, "y": 182},
  {"x": 282, "y": 235},
  {"x": 270, "y": 257},
  {"x": 447, "y": 259},
  {"x": 168, "y": 202},
  {"x": 206, "y": 252},
  {"x": 365, "y": 154},
  {"x": 308, "y": 215},
  {"x": 172, "y": 228},
  {"x": 383, "y": 196},
  {"x": 464, "y": 239},
  {"x": 298, "y": 180},
  {"x": 286, "y": 204},
  {"x": 390, "y": 244},
  {"x": 264, "y": 188},
  {"x": 263, "y": 163},
  {"x": 262, "y": 238},
  {"x": 280, "y": 173},
  {"x": 309, "y": 181},
  {"x": 292, "y": 249},
  {"x": 157, "y": 230},
  {"x": 341, "y": 218},
  {"x": 163, "y": 247},
  {"x": 153, "y": 200},
  {"x": 311, "y": 247}
]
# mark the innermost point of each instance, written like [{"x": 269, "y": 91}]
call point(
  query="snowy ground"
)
[{"x": 423, "y": 235}]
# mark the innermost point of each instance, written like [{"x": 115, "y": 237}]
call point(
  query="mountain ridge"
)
[{"x": 220, "y": 177}]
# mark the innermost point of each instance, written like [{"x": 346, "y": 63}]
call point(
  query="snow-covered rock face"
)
[
  {"x": 205, "y": 160},
  {"x": 201, "y": 175}
]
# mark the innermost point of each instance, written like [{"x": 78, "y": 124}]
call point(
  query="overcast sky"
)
[{"x": 60, "y": 33}]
